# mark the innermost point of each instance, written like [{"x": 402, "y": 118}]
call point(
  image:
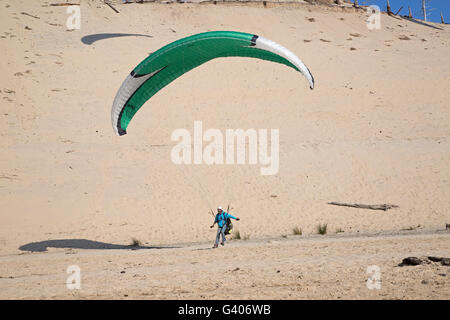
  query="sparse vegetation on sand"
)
[
  {"x": 322, "y": 229},
  {"x": 237, "y": 236},
  {"x": 297, "y": 231},
  {"x": 135, "y": 242}
]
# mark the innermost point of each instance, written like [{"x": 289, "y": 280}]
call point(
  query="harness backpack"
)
[
  {"x": 228, "y": 223},
  {"x": 229, "y": 226}
]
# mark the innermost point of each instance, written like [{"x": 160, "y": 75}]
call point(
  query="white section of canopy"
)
[
  {"x": 268, "y": 45},
  {"x": 128, "y": 87}
]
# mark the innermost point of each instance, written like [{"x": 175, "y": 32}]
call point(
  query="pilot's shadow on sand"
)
[{"x": 42, "y": 246}]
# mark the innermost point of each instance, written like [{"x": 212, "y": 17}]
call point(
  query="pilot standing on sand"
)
[{"x": 221, "y": 219}]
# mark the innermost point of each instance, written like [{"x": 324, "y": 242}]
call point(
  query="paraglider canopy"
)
[{"x": 173, "y": 60}]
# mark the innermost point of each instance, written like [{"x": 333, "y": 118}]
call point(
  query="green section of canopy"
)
[{"x": 183, "y": 55}]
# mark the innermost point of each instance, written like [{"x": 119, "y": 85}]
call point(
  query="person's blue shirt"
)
[{"x": 221, "y": 218}]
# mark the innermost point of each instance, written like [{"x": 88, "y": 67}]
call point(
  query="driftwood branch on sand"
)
[
  {"x": 111, "y": 6},
  {"x": 30, "y": 15},
  {"x": 414, "y": 261},
  {"x": 383, "y": 207}
]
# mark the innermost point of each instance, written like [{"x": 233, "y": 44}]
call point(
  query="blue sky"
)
[{"x": 434, "y": 8}]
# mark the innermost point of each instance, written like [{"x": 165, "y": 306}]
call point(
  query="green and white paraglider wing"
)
[{"x": 171, "y": 61}]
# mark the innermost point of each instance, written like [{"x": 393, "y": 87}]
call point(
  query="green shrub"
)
[
  {"x": 322, "y": 229},
  {"x": 135, "y": 242}
]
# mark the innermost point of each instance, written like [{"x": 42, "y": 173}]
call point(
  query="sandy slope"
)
[{"x": 374, "y": 130}]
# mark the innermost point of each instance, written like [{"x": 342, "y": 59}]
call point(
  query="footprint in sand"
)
[
  {"x": 403, "y": 37},
  {"x": 9, "y": 93},
  {"x": 20, "y": 74}
]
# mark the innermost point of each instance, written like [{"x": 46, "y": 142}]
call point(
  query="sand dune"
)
[{"x": 374, "y": 130}]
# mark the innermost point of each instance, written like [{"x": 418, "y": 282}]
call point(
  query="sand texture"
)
[{"x": 375, "y": 130}]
